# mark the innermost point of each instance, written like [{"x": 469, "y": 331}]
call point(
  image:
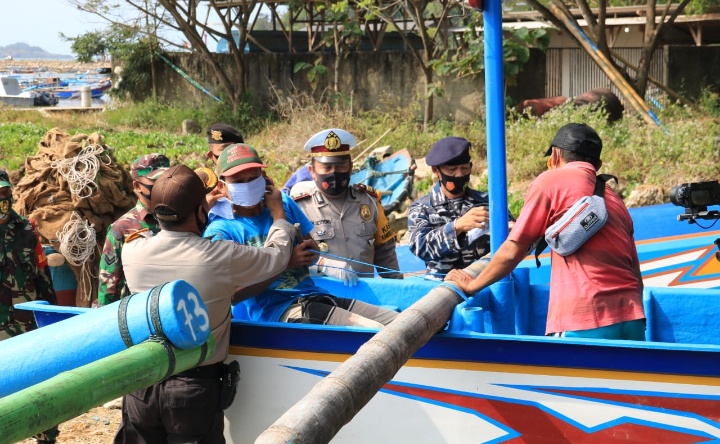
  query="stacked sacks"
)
[{"x": 73, "y": 190}]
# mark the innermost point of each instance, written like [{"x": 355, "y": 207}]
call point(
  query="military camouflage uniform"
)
[
  {"x": 360, "y": 231},
  {"x": 431, "y": 223},
  {"x": 24, "y": 275},
  {"x": 112, "y": 278}
]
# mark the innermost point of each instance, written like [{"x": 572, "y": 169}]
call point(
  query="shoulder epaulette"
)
[
  {"x": 368, "y": 189},
  {"x": 138, "y": 234},
  {"x": 301, "y": 196}
]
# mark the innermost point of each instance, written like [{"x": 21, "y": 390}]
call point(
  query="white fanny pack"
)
[{"x": 579, "y": 223}]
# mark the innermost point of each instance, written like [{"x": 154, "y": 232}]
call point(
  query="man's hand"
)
[
  {"x": 477, "y": 217},
  {"x": 461, "y": 279},
  {"x": 213, "y": 196},
  {"x": 301, "y": 257},
  {"x": 273, "y": 201},
  {"x": 339, "y": 270}
]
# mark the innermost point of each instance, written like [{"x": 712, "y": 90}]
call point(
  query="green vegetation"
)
[{"x": 684, "y": 150}]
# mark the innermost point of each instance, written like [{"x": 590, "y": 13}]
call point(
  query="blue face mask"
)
[{"x": 247, "y": 194}]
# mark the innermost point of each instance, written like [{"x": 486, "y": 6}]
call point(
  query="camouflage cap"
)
[
  {"x": 4, "y": 179},
  {"x": 150, "y": 166}
]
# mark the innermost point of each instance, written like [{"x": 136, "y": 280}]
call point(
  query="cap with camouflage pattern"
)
[
  {"x": 150, "y": 166},
  {"x": 4, "y": 179}
]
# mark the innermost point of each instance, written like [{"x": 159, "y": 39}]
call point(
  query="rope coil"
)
[
  {"x": 80, "y": 171},
  {"x": 77, "y": 240}
]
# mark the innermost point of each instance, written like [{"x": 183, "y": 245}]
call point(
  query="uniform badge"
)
[
  {"x": 365, "y": 212},
  {"x": 332, "y": 141},
  {"x": 216, "y": 135}
]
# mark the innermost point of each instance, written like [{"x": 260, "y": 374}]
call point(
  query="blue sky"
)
[{"x": 39, "y": 23}]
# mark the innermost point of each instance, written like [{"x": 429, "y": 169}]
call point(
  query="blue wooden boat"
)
[
  {"x": 491, "y": 376},
  {"x": 72, "y": 90}
]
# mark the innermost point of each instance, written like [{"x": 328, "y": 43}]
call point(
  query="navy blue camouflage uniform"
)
[{"x": 431, "y": 223}]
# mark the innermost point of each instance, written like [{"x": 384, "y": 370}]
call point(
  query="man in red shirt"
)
[{"x": 595, "y": 292}]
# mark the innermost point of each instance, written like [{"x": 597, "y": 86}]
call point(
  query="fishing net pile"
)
[{"x": 73, "y": 189}]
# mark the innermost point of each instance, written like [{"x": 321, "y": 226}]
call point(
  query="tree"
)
[
  {"x": 183, "y": 26},
  {"x": 431, "y": 21}
]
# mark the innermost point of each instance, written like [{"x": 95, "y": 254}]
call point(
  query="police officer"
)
[
  {"x": 24, "y": 274},
  {"x": 145, "y": 171},
  {"x": 349, "y": 221},
  {"x": 448, "y": 227}
]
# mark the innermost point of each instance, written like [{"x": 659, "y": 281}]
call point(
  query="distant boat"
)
[
  {"x": 73, "y": 90},
  {"x": 12, "y": 95}
]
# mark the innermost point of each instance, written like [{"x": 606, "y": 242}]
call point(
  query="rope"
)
[
  {"x": 187, "y": 77},
  {"x": 77, "y": 240},
  {"x": 347, "y": 259},
  {"x": 80, "y": 171}
]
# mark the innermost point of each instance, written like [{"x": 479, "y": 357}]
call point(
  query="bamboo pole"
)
[
  {"x": 338, "y": 397},
  {"x": 632, "y": 97},
  {"x": 74, "y": 392}
]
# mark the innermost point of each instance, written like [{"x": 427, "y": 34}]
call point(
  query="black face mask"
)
[
  {"x": 333, "y": 184},
  {"x": 454, "y": 185},
  {"x": 149, "y": 188},
  {"x": 202, "y": 224}
]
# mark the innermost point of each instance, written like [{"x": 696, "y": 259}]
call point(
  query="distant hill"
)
[{"x": 25, "y": 51}]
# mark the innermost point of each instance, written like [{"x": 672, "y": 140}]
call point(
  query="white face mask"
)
[{"x": 247, "y": 194}]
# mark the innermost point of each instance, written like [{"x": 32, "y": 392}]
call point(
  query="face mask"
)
[
  {"x": 5, "y": 205},
  {"x": 247, "y": 194},
  {"x": 454, "y": 185},
  {"x": 147, "y": 187},
  {"x": 202, "y": 224},
  {"x": 333, "y": 184}
]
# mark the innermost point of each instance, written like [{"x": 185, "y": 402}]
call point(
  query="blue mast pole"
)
[{"x": 503, "y": 300}]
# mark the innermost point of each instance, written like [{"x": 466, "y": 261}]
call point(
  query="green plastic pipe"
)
[{"x": 74, "y": 392}]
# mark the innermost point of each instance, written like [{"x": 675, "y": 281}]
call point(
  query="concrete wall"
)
[
  {"x": 372, "y": 79},
  {"x": 380, "y": 80}
]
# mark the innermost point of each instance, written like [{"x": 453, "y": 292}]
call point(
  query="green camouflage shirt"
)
[
  {"x": 24, "y": 274},
  {"x": 112, "y": 278}
]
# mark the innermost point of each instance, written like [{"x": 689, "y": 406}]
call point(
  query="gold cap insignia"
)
[
  {"x": 365, "y": 212},
  {"x": 332, "y": 141},
  {"x": 216, "y": 135}
]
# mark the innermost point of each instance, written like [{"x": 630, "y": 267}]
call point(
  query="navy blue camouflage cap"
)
[
  {"x": 150, "y": 166},
  {"x": 4, "y": 179},
  {"x": 577, "y": 137},
  {"x": 449, "y": 151}
]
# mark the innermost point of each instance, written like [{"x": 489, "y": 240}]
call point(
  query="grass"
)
[{"x": 685, "y": 149}]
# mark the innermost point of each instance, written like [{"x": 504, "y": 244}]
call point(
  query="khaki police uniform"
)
[{"x": 359, "y": 231}]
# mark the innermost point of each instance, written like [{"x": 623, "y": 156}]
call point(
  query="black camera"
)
[{"x": 695, "y": 197}]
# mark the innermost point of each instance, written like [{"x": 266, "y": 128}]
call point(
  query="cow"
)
[{"x": 606, "y": 99}]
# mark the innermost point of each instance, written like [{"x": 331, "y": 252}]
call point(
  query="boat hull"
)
[{"x": 482, "y": 388}]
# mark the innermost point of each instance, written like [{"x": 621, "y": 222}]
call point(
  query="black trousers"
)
[{"x": 181, "y": 409}]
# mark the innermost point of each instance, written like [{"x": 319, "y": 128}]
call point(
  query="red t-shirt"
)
[{"x": 596, "y": 286}]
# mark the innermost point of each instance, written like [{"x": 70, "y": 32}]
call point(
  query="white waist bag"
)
[{"x": 579, "y": 223}]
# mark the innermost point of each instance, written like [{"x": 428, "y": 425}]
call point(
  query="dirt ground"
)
[{"x": 97, "y": 426}]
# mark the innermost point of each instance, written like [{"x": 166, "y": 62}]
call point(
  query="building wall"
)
[
  {"x": 386, "y": 80},
  {"x": 372, "y": 80},
  {"x": 690, "y": 69}
]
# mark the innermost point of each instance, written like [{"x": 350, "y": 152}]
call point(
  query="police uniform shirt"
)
[
  {"x": 215, "y": 269},
  {"x": 360, "y": 231}
]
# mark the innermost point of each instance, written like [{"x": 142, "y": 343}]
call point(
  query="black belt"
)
[{"x": 212, "y": 371}]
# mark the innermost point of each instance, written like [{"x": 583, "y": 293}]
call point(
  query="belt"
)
[{"x": 212, "y": 371}]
